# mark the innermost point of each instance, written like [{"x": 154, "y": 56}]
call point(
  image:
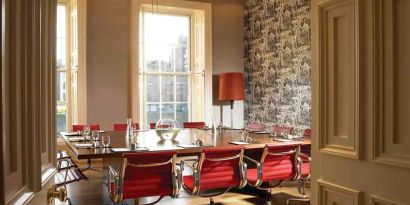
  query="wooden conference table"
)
[{"x": 182, "y": 143}]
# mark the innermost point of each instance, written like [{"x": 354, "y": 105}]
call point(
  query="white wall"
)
[
  {"x": 227, "y": 51},
  {"x": 108, "y": 57}
]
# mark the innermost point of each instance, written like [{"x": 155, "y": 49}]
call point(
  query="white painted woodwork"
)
[
  {"x": 333, "y": 194},
  {"x": 392, "y": 71},
  {"x": 339, "y": 71},
  {"x": 28, "y": 98},
  {"x": 360, "y": 72}
]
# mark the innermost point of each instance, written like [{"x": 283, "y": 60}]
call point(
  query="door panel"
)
[
  {"x": 338, "y": 78},
  {"x": 360, "y": 102},
  {"x": 334, "y": 194},
  {"x": 392, "y": 67}
]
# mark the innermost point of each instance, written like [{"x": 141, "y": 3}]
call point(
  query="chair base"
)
[
  {"x": 298, "y": 199},
  {"x": 90, "y": 167},
  {"x": 211, "y": 201}
]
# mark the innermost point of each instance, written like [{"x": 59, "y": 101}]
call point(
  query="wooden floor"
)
[{"x": 93, "y": 192}]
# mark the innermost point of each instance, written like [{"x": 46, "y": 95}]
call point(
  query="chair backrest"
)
[
  {"x": 255, "y": 127},
  {"x": 305, "y": 149},
  {"x": 148, "y": 174},
  {"x": 279, "y": 162},
  {"x": 282, "y": 129},
  {"x": 81, "y": 127},
  {"x": 307, "y": 133},
  {"x": 122, "y": 127},
  {"x": 221, "y": 168},
  {"x": 194, "y": 124}
]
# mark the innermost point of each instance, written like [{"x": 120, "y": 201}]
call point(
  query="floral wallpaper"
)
[{"x": 277, "y": 63}]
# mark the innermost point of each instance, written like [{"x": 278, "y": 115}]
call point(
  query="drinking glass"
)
[
  {"x": 106, "y": 140},
  {"x": 86, "y": 132},
  {"x": 134, "y": 138},
  {"x": 95, "y": 135}
]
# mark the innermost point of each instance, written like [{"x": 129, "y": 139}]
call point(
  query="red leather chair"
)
[
  {"x": 81, "y": 127},
  {"x": 307, "y": 133},
  {"x": 143, "y": 175},
  {"x": 282, "y": 129},
  {"x": 277, "y": 163},
  {"x": 255, "y": 127},
  {"x": 122, "y": 127},
  {"x": 303, "y": 168},
  {"x": 216, "y": 171},
  {"x": 194, "y": 124}
]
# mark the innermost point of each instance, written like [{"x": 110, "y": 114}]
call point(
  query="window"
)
[
  {"x": 171, "y": 61},
  {"x": 67, "y": 64},
  {"x": 166, "y": 66},
  {"x": 61, "y": 63}
]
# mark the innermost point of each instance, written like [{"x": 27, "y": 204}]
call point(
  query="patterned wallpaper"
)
[{"x": 277, "y": 62}]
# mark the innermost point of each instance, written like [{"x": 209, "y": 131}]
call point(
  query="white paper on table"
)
[
  {"x": 75, "y": 139},
  {"x": 120, "y": 150},
  {"x": 83, "y": 145},
  {"x": 260, "y": 132},
  {"x": 239, "y": 143}
]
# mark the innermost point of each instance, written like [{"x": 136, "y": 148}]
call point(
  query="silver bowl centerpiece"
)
[{"x": 167, "y": 129}]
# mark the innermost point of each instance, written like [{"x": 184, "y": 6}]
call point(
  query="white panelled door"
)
[{"x": 361, "y": 103}]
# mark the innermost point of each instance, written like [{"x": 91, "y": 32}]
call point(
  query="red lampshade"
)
[{"x": 231, "y": 86}]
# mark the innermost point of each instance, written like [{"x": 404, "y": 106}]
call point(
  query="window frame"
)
[
  {"x": 67, "y": 69},
  {"x": 143, "y": 73}
]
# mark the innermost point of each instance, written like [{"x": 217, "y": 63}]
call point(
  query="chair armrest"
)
[
  {"x": 113, "y": 177},
  {"x": 183, "y": 163},
  {"x": 244, "y": 175},
  {"x": 195, "y": 175},
  {"x": 258, "y": 169},
  {"x": 177, "y": 182},
  {"x": 305, "y": 157}
]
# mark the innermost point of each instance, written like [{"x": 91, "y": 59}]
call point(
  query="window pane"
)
[
  {"x": 182, "y": 112},
  {"x": 167, "y": 89},
  {"x": 61, "y": 36},
  {"x": 180, "y": 55},
  {"x": 61, "y": 21},
  {"x": 61, "y": 101},
  {"x": 153, "y": 88},
  {"x": 181, "y": 93},
  {"x": 168, "y": 111},
  {"x": 61, "y": 53},
  {"x": 153, "y": 112},
  {"x": 166, "y": 42}
]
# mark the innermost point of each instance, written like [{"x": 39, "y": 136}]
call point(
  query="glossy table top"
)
[{"x": 149, "y": 139}]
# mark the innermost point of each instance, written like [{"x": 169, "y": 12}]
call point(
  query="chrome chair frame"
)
[
  {"x": 118, "y": 179},
  {"x": 196, "y": 170},
  {"x": 302, "y": 180}
]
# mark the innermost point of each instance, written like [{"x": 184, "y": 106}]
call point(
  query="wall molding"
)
[
  {"x": 335, "y": 193},
  {"x": 339, "y": 133},
  {"x": 377, "y": 200}
]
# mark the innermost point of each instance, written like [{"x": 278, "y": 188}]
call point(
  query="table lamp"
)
[{"x": 231, "y": 88}]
